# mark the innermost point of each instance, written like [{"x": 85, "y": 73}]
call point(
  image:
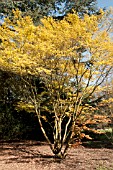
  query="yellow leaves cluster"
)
[
  {"x": 25, "y": 106},
  {"x": 53, "y": 43},
  {"x": 108, "y": 101}
]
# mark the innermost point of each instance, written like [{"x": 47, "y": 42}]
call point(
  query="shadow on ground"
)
[
  {"x": 22, "y": 151},
  {"x": 38, "y": 154}
]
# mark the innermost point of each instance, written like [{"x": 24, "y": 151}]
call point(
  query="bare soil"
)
[{"x": 32, "y": 155}]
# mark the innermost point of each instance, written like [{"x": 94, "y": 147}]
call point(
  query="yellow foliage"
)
[
  {"x": 35, "y": 48},
  {"x": 25, "y": 106},
  {"x": 73, "y": 48}
]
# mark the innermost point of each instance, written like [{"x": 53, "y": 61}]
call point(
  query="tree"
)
[
  {"x": 39, "y": 8},
  {"x": 81, "y": 7},
  {"x": 35, "y": 8},
  {"x": 69, "y": 59},
  {"x": 106, "y": 107}
]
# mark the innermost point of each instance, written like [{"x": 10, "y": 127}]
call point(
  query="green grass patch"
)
[
  {"x": 103, "y": 168},
  {"x": 106, "y": 130}
]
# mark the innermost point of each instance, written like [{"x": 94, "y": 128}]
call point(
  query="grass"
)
[
  {"x": 106, "y": 130},
  {"x": 103, "y": 168}
]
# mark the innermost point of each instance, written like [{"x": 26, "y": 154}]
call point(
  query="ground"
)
[{"x": 32, "y": 155}]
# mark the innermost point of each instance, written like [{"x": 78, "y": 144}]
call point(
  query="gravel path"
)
[{"x": 30, "y": 155}]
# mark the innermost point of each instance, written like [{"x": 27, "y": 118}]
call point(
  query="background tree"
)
[
  {"x": 15, "y": 124},
  {"x": 106, "y": 107},
  {"x": 70, "y": 61},
  {"x": 39, "y": 8}
]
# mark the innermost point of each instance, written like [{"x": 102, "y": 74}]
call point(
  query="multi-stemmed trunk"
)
[{"x": 61, "y": 140}]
